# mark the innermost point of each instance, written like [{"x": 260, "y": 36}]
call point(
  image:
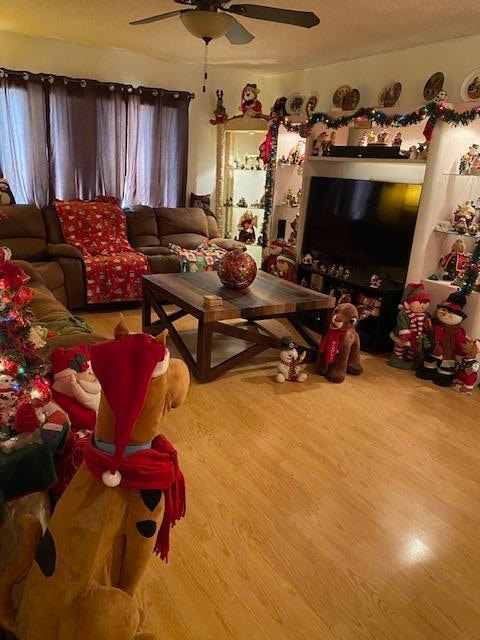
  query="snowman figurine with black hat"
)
[{"x": 445, "y": 341}]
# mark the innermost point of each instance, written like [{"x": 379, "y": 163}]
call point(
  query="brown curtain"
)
[
  {"x": 69, "y": 138},
  {"x": 157, "y": 148},
  {"x": 23, "y": 137}
]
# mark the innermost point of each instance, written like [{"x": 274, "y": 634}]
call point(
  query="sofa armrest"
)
[
  {"x": 63, "y": 250},
  {"x": 228, "y": 244}
]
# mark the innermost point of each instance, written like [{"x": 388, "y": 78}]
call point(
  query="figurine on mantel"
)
[
  {"x": 397, "y": 141},
  {"x": 319, "y": 144},
  {"x": 462, "y": 217},
  {"x": 246, "y": 227},
  {"x": 383, "y": 137},
  {"x": 468, "y": 159},
  {"x": 371, "y": 137},
  {"x": 363, "y": 140},
  {"x": 242, "y": 203},
  {"x": 454, "y": 262}
]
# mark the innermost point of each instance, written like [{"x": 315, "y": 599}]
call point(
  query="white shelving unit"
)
[{"x": 287, "y": 176}]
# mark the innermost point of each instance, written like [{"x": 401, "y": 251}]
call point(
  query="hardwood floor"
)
[{"x": 320, "y": 511}]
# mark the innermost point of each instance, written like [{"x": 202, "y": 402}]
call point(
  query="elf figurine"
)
[
  {"x": 467, "y": 370},
  {"x": 445, "y": 342},
  {"x": 412, "y": 323},
  {"x": 454, "y": 262}
]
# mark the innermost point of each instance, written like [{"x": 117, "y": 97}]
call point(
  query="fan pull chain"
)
[{"x": 205, "y": 64}]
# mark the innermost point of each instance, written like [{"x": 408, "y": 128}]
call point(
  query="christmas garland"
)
[
  {"x": 434, "y": 110},
  {"x": 270, "y": 180}
]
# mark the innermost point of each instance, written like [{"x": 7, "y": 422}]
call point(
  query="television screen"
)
[{"x": 362, "y": 223}]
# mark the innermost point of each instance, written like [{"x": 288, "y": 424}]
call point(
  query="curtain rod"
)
[{"x": 50, "y": 78}]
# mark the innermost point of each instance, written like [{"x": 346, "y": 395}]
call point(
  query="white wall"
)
[{"x": 412, "y": 67}]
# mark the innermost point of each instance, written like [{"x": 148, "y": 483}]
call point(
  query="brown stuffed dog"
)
[
  {"x": 339, "y": 351},
  {"x": 83, "y": 573}
]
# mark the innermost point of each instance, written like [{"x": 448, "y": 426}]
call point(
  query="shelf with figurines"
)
[
  {"x": 251, "y": 163},
  {"x": 243, "y": 204},
  {"x": 454, "y": 264}
]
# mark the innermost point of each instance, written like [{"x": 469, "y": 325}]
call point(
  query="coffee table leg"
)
[{"x": 204, "y": 350}]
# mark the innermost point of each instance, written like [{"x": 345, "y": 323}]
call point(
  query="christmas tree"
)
[
  {"x": 468, "y": 280},
  {"x": 22, "y": 369}
]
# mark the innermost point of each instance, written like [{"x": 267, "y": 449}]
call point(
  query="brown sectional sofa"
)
[{"x": 36, "y": 236}]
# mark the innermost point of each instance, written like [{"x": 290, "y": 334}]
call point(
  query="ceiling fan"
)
[{"x": 210, "y": 19}]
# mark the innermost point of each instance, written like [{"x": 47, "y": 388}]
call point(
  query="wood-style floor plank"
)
[{"x": 320, "y": 511}]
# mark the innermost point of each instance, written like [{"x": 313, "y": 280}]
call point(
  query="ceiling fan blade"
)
[
  {"x": 192, "y": 3},
  {"x": 237, "y": 34},
  {"x": 162, "y": 16},
  {"x": 305, "y": 19}
]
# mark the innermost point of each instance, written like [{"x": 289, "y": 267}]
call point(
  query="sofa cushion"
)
[
  {"x": 23, "y": 231},
  {"x": 181, "y": 220},
  {"x": 52, "y": 225},
  {"x": 45, "y": 307},
  {"x": 142, "y": 227},
  {"x": 213, "y": 230},
  {"x": 164, "y": 264},
  {"x": 154, "y": 251},
  {"x": 186, "y": 240}
]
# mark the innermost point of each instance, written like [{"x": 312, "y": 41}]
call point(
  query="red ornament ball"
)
[{"x": 237, "y": 269}]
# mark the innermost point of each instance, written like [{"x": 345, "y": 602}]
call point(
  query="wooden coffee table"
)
[{"x": 268, "y": 297}]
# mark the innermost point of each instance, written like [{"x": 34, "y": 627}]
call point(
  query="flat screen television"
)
[{"x": 363, "y": 224}]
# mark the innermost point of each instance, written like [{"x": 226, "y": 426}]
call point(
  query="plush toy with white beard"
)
[{"x": 75, "y": 387}]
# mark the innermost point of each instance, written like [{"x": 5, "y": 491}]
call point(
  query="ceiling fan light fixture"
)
[{"x": 206, "y": 24}]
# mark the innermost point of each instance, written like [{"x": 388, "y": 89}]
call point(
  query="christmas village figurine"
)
[
  {"x": 246, "y": 227},
  {"x": 242, "y": 203},
  {"x": 363, "y": 140},
  {"x": 454, "y": 262},
  {"x": 462, "y": 217},
  {"x": 290, "y": 367},
  {"x": 468, "y": 159},
  {"x": 250, "y": 105},
  {"x": 413, "y": 322},
  {"x": 228, "y": 202},
  {"x": 444, "y": 342},
  {"x": 397, "y": 141},
  {"x": 220, "y": 112},
  {"x": 383, "y": 137},
  {"x": 307, "y": 259},
  {"x": 375, "y": 281},
  {"x": 371, "y": 137},
  {"x": 292, "y": 238},
  {"x": 339, "y": 351},
  {"x": 320, "y": 144},
  {"x": 466, "y": 375}
]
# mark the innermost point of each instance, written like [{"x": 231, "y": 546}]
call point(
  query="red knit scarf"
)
[
  {"x": 416, "y": 323},
  {"x": 155, "y": 468},
  {"x": 330, "y": 343}
]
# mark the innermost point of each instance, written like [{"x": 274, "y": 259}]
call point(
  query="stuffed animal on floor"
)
[
  {"x": 339, "y": 351},
  {"x": 83, "y": 576},
  {"x": 290, "y": 367},
  {"x": 413, "y": 323},
  {"x": 444, "y": 342},
  {"x": 467, "y": 370}
]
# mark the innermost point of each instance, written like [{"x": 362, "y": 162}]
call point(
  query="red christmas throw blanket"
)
[{"x": 113, "y": 268}]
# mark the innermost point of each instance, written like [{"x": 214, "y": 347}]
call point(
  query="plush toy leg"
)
[
  {"x": 354, "y": 367},
  {"x": 321, "y": 366},
  {"x": 445, "y": 374},
  {"x": 429, "y": 368},
  {"x": 144, "y": 518},
  {"x": 101, "y": 612},
  {"x": 338, "y": 369}
]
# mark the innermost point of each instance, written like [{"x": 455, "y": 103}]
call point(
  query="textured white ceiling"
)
[{"x": 348, "y": 29}]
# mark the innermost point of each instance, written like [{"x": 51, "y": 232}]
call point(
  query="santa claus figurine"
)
[
  {"x": 454, "y": 262},
  {"x": 412, "y": 323},
  {"x": 445, "y": 342},
  {"x": 75, "y": 387}
]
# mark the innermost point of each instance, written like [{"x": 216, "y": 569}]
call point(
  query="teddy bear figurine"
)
[
  {"x": 290, "y": 367},
  {"x": 339, "y": 351},
  {"x": 467, "y": 370}
]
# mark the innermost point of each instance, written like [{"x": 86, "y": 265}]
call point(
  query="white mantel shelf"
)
[{"x": 364, "y": 160}]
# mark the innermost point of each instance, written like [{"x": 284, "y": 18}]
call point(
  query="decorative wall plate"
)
[
  {"x": 471, "y": 86},
  {"x": 311, "y": 103},
  {"x": 350, "y": 100},
  {"x": 295, "y": 104},
  {"x": 389, "y": 95},
  {"x": 339, "y": 94},
  {"x": 433, "y": 85}
]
